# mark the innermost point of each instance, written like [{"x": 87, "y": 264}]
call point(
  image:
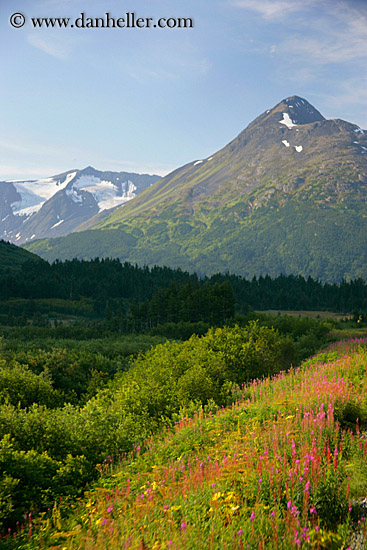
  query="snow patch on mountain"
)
[
  {"x": 106, "y": 194},
  {"x": 287, "y": 121},
  {"x": 55, "y": 206},
  {"x": 298, "y": 148},
  {"x": 29, "y": 201},
  {"x": 56, "y": 224},
  {"x": 286, "y": 143},
  {"x": 34, "y": 193},
  {"x": 111, "y": 201},
  {"x": 74, "y": 195}
]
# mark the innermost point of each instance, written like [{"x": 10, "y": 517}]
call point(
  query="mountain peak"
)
[
  {"x": 89, "y": 170},
  {"x": 299, "y": 111}
]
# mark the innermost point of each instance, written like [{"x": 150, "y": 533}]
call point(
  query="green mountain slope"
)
[
  {"x": 13, "y": 257},
  {"x": 287, "y": 195}
]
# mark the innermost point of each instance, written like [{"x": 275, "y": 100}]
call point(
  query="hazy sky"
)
[{"x": 150, "y": 100}]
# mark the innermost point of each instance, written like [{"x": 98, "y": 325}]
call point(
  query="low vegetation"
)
[
  {"x": 282, "y": 467},
  {"x": 54, "y": 432},
  {"x": 86, "y": 381}
]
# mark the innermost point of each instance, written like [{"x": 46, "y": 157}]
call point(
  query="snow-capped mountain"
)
[
  {"x": 287, "y": 195},
  {"x": 55, "y": 206}
]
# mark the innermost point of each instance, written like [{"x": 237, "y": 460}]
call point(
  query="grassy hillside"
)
[
  {"x": 284, "y": 467},
  {"x": 303, "y": 237},
  {"x": 13, "y": 257}
]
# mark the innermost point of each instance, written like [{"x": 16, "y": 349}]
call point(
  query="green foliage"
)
[
  {"x": 98, "y": 297},
  {"x": 8, "y": 486},
  {"x": 12, "y": 258},
  {"x": 251, "y": 352},
  {"x": 331, "y": 501},
  {"x": 33, "y": 479},
  {"x": 349, "y": 414},
  {"x": 67, "y": 405},
  {"x": 50, "y": 449},
  {"x": 52, "y": 371},
  {"x": 287, "y": 233},
  {"x": 181, "y": 330},
  {"x": 270, "y": 471},
  {"x": 19, "y": 385}
]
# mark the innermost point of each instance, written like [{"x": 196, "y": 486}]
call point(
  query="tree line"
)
[{"x": 132, "y": 298}]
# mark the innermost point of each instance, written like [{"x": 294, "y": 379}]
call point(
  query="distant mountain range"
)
[
  {"x": 58, "y": 205},
  {"x": 287, "y": 195}
]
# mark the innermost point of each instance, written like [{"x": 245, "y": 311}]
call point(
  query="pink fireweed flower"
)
[
  {"x": 109, "y": 510},
  {"x": 313, "y": 511},
  {"x": 104, "y": 521},
  {"x": 183, "y": 526},
  {"x": 253, "y": 516},
  {"x": 292, "y": 508},
  {"x": 240, "y": 531}
]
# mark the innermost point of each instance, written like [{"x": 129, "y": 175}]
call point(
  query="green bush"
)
[
  {"x": 20, "y": 386},
  {"x": 250, "y": 352}
]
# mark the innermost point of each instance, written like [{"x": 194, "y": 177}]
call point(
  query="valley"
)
[{"x": 160, "y": 349}]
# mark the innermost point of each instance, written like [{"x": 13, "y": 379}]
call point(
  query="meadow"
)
[{"x": 283, "y": 466}]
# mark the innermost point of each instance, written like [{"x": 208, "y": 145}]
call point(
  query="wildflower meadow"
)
[{"x": 285, "y": 466}]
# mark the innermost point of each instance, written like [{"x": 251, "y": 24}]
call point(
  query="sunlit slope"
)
[
  {"x": 282, "y": 468},
  {"x": 287, "y": 195}
]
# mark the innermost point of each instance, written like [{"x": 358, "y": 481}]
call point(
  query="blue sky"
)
[{"x": 150, "y": 100}]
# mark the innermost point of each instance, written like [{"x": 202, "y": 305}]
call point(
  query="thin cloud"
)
[
  {"x": 340, "y": 36},
  {"x": 61, "y": 49},
  {"x": 348, "y": 94},
  {"x": 270, "y": 9},
  {"x": 313, "y": 41},
  {"x": 328, "y": 49},
  {"x": 318, "y": 32}
]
